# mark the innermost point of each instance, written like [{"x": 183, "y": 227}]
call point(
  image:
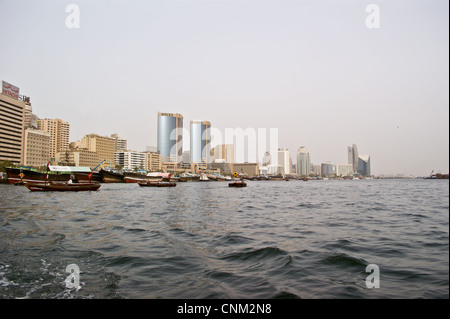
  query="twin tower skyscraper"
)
[{"x": 170, "y": 139}]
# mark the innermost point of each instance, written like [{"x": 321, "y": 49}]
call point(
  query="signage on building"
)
[{"x": 10, "y": 90}]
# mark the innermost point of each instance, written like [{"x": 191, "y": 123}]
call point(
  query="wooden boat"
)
[
  {"x": 62, "y": 187},
  {"x": 237, "y": 184},
  {"x": 83, "y": 177},
  {"x": 134, "y": 177},
  {"x": 18, "y": 176},
  {"x": 111, "y": 177},
  {"x": 157, "y": 184}
]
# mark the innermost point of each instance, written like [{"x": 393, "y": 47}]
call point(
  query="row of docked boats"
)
[{"x": 64, "y": 178}]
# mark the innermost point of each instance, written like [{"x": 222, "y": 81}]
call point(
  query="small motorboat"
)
[
  {"x": 157, "y": 184},
  {"x": 239, "y": 183},
  {"x": 62, "y": 187}
]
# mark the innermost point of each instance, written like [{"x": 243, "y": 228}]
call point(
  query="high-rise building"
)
[
  {"x": 364, "y": 165},
  {"x": 170, "y": 137},
  {"x": 283, "y": 160},
  {"x": 352, "y": 154},
  {"x": 120, "y": 144},
  {"x": 59, "y": 132},
  {"x": 36, "y": 149},
  {"x": 12, "y": 110},
  {"x": 200, "y": 141},
  {"x": 328, "y": 169},
  {"x": 102, "y": 145},
  {"x": 303, "y": 162}
]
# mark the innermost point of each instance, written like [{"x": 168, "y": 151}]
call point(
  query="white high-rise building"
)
[
  {"x": 283, "y": 160},
  {"x": 130, "y": 159},
  {"x": 303, "y": 162}
]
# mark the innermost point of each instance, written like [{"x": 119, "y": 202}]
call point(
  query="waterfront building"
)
[
  {"x": 250, "y": 169},
  {"x": 153, "y": 161},
  {"x": 59, "y": 133},
  {"x": 303, "y": 162},
  {"x": 12, "y": 117},
  {"x": 120, "y": 144},
  {"x": 343, "y": 170},
  {"x": 316, "y": 169},
  {"x": 130, "y": 159},
  {"x": 200, "y": 147},
  {"x": 102, "y": 145},
  {"x": 223, "y": 152},
  {"x": 78, "y": 156},
  {"x": 352, "y": 154},
  {"x": 328, "y": 169},
  {"x": 170, "y": 137},
  {"x": 283, "y": 160},
  {"x": 364, "y": 165},
  {"x": 36, "y": 150}
]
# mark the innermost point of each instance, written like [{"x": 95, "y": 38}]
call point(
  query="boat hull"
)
[
  {"x": 111, "y": 177},
  {"x": 157, "y": 184},
  {"x": 30, "y": 176},
  {"x": 237, "y": 184},
  {"x": 62, "y": 187}
]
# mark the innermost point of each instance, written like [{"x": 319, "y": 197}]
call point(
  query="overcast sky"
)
[{"x": 312, "y": 69}]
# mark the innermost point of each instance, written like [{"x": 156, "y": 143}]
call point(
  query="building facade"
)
[
  {"x": 130, "y": 160},
  {"x": 303, "y": 162},
  {"x": 120, "y": 144},
  {"x": 170, "y": 137},
  {"x": 78, "y": 157},
  {"x": 200, "y": 138},
  {"x": 153, "y": 161},
  {"x": 59, "y": 133},
  {"x": 102, "y": 145},
  {"x": 36, "y": 149},
  {"x": 283, "y": 160},
  {"x": 364, "y": 165},
  {"x": 223, "y": 153},
  {"x": 12, "y": 111},
  {"x": 353, "y": 158},
  {"x": 343, "y": 170}
]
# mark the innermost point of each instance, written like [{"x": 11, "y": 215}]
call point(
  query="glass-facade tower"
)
[
  {"x": 200, "y": 141},
  {"x": 170, "y": 137}
]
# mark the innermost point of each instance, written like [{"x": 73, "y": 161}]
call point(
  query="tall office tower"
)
[
  {"x": 120, "y": 144},
  {"x": 352, "y": 154},
  {"x": 170, "y": 137},
  {"x": 102, "y": 145},
  {"x": 364, "y": 165},
  {"x": 283, "y": 160},
  {"x": 11, "y": 123},
  {"x": 59, "y": 132},
  {"x": 303, "y": 162},
  {"x": 200, "y": 141}
]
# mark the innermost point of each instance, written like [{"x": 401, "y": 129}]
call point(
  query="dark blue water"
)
[{"x": 205, "y": 240}]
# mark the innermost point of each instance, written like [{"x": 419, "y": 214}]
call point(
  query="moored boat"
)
[
  {"x": 62, "y": 187},
  {"x": 18, "y": 175},
  {"x": 111, "y": 177},
  {"x": 134, "y": 177},
  {"x": 239, "y": 183},
  {"x": 157, "y": 184}
]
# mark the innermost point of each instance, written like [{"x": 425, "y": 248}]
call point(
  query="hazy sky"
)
[{"x": 312, "y": 69}]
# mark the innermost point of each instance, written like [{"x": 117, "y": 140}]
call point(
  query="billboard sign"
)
[{"x": 10, "y": 90}]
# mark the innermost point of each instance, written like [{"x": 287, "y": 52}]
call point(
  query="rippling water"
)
[{"x": 205, "y": 240}]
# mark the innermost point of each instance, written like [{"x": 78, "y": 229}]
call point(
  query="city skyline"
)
[{"x": 312, "y": 70}]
